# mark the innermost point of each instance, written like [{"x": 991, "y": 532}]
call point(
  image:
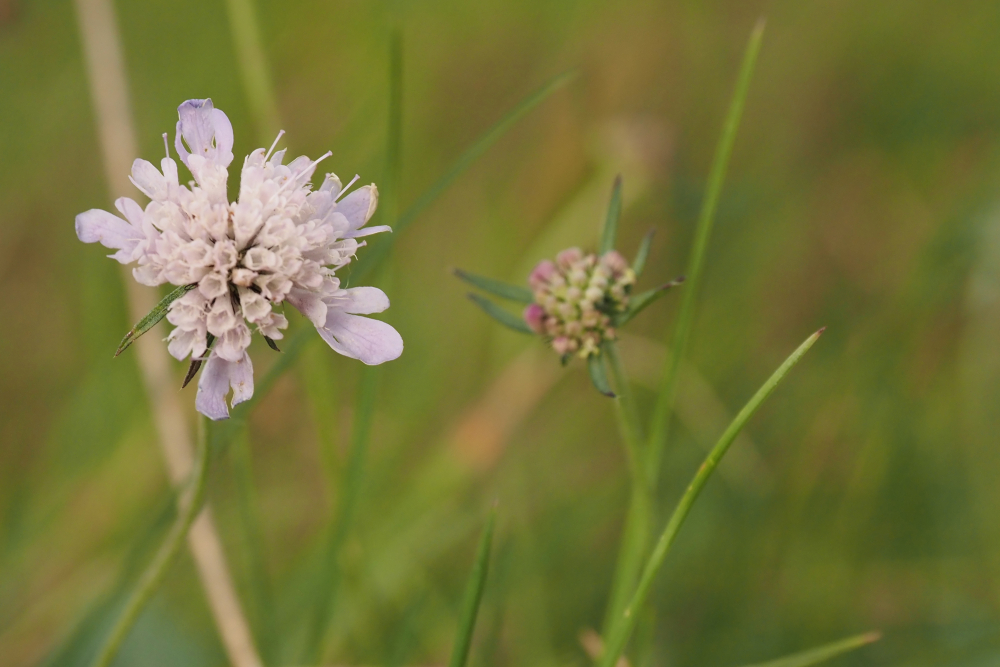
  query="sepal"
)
[
  {"x": 598, "y": 375},
  {"x": 639, "y": 302},
  {"x": 502, "y": 316},
  {"x": 642, "y": 254},
  {"x": 496, "y": 287},
  {"x": 610, "y": 233}
]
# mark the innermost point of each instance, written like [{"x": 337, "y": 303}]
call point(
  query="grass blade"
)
[
  {"x": 496, "y": 287},
  {"x": 153, "y": 317},
  {"x": 814, "y": 656},
  {"x": 598, "y": 374},
  {"x": 685, "y": 320},
  {"x": 473, "y": 596},
  {"x": 622, "y": 628},
  {"x": 611, "y": 222},
  {"x": 505, "y": 318},
  {"x": 641, "y": 255},
  {"x": 639, "y": 302},
  {"x": 378, "y": 250}
]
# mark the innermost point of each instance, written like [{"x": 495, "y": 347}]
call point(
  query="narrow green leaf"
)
[
  {"x": 500, "y": 315},
  {"x": 153, "y": 317},
  {"x": 473, "y": 596},
  {"x": 621, "y": 630},
  {"x": 197, "y": 362},
  {"x": 599, "y": 375},
  {"x": 641, "y": 255},
  {"x": 379, "y": 250},
  {"x": 496, "y": 287},
  {"x": 271, "y": 344},
  {"x": 823, "y": 653},
  {"x": 639, "y": 302},
  {"x": 664, "y": 406},
  {"x": 611, "y": 222}
]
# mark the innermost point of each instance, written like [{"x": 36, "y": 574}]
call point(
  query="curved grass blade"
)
[
  {"x": 473, "y": 595},
  {"x": 664, "y": 406},
  {"x": 599, "y": 375},
  {"x": 642, "y": 254},
  {"x": 150, "y": 320},
  {"x": 610, "y": 233},
  {"x": 496, "y": 287},
  {"x": 378, "y": 250},
  {"x": 639, "y": 302},
  {"x": 814, "y": 656},
  {"x": 622, "y": 628},
  {"x": 505, "y": 318}
]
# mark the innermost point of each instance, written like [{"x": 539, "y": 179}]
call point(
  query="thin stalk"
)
[
  {"x": 664, "y": 407},
  {"x": 340, "y": 526},
  {"x": 189, "y": 504},
  {"x": 624, "y": 624},
  {"x": 473, "y": 596},
  {"x": 252, "y": 66},
  {"x": 638, "y": 520}
]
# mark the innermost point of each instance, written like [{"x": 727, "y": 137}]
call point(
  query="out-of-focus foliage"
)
[{"x": 862, "y": 195}]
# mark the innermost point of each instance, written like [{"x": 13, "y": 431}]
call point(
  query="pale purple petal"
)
[
  {"x": 358, "y": 233},
  {"x": 359, "y": 300},
  {"x": 359, "y": 206},
  {"x": 309, "y": 304},
  {"x": 371, "y": 341},
  {"x": 148, "y": 179},
  {"x": 212, "y": 388},
  {"x": 207, "y": 132},
  {"x": 97, "y": 226},
  {"x": 216, "y": 379}
]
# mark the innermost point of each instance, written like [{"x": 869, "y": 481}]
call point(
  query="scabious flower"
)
[
  {"x": 280, "y": 241},
  {"x": 576, "y": 298}
]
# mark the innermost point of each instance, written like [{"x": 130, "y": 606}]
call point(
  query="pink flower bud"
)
[
  {"x": 542, "y": 274},
  {"x": 561, "y": 345},
  {"x": 614, "y": 261},
  {"x": 569, "y": 256},
  {"x": 534, "y": 315}
]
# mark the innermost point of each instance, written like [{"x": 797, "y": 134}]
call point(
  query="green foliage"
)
[
  {"x": 823, "y": 653},
  {"x": 503, "y": 290},
  {"x": 153, "y": 317},
  {"x": 473, "y": 596}
]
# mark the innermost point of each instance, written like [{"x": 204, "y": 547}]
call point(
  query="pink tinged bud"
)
[
  {"x": 534, "y": 315},
  {"x": 614, "y": 261},
  {"x": 542, "y": 274},
  {"x": 561, "y": 345},
  {"x": 568, "y": 257}
]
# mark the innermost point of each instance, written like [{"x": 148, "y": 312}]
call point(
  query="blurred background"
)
[{"x": 862, "y": 196}]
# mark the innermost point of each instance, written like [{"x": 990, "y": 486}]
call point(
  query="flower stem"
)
[
  {"x": 189, "y": 503},
  {"x": 638, "y": 521}
]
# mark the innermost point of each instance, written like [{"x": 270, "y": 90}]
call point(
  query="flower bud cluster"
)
[{"x": 576, "y": 297}]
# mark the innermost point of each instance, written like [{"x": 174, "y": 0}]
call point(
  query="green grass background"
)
[{"x": 861, "y": 197}]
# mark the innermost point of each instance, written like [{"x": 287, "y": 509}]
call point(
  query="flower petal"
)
[
  {"x": 309, "y": 304},
  {"x": 358, "y": 233},
  {"x": 207, "y": 132},
  {"x": 216, "y": 379},
  {"x": 359, "y": 300},
  {"x": 371, "y": 341},
  {"x": 359, "y": 206},
  {"x": 97, "y": 226}
]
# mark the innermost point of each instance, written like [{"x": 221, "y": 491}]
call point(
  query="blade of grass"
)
[
  {"x": 663, "y": 409},
  {"x": 610, "y": 234},
  {"x": 340, "y": 527},
  {"x": 473, "y": 596},
  {"x": 622, "y": 628},
  {"x": 814, "y": 656},
  {"x": 495, "y": 287},
  {"x": 505, "y": 318},
  {"x": 378, "y": 250},
  {"x": 190, "y": 504}
]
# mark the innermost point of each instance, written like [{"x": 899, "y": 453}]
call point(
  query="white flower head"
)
[{"x": 280, "y": 241}]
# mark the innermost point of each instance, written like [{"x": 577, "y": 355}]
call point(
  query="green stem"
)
[
  {"x": 662, "y": 411},
  {"x": 638, "y": 520},
  {"x": 189, "y": 504},
  {"x": 253, "y": 69},
  {"x": 624, "y": 624}
]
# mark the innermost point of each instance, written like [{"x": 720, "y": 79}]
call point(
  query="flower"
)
[
  {"x": 279, "y": 241},
  {"x": 575, "y": 299}
]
